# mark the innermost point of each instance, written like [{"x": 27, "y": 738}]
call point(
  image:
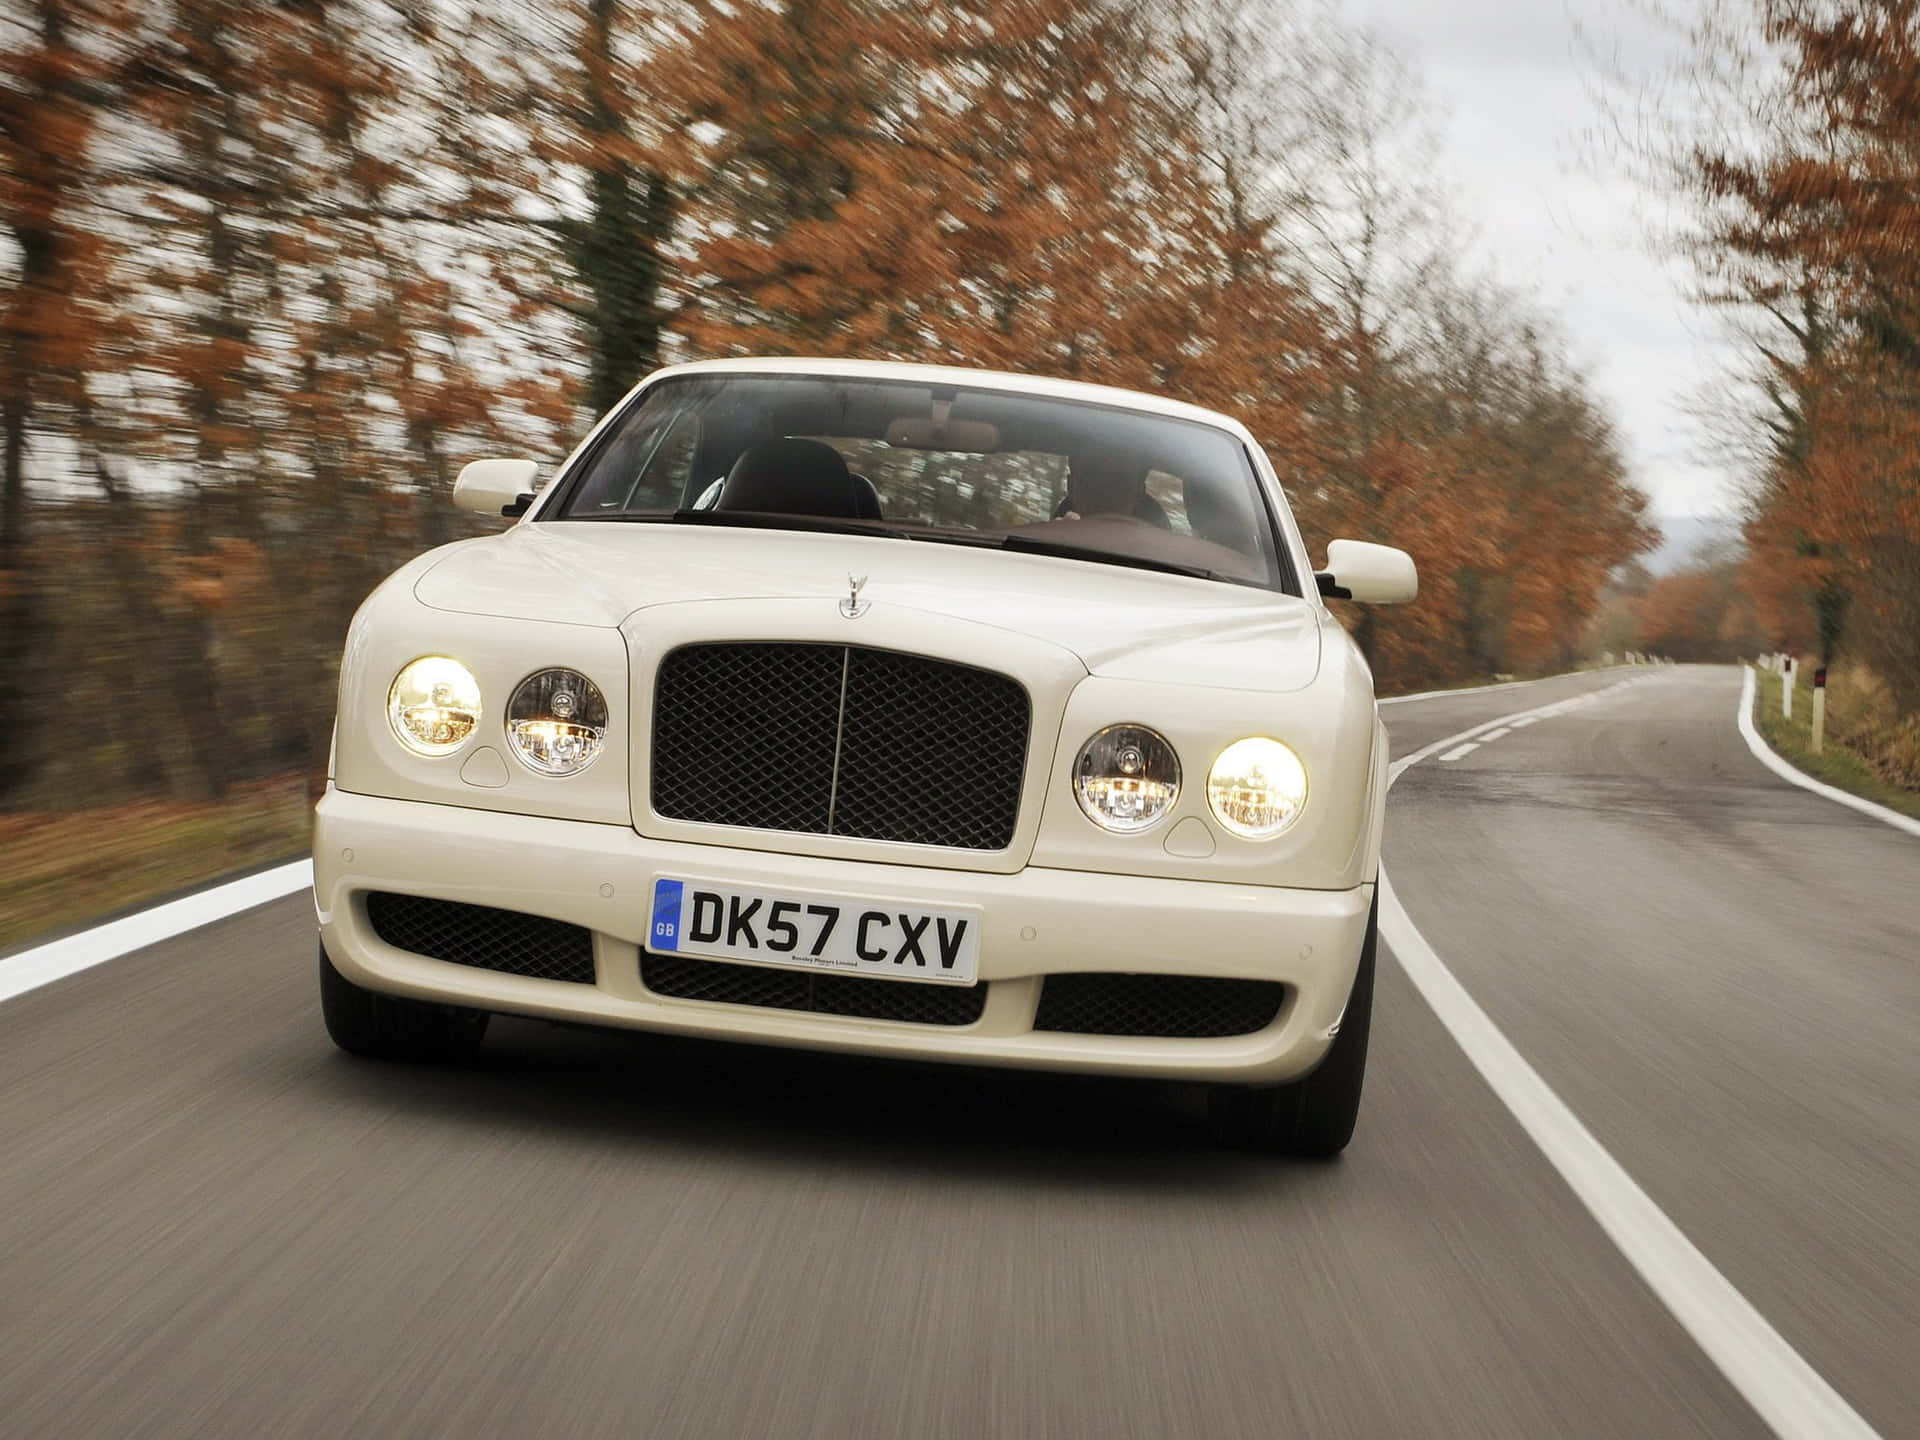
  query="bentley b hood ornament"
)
[{"x": 853, "y": 607}]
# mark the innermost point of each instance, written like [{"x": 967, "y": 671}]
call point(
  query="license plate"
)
[{"x": 815, "y": 932}]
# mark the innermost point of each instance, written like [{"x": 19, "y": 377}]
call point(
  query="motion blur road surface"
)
[{"x": 213, "y": 1224}]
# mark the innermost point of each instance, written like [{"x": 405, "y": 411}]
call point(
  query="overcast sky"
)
[{"x": 1510, "y": 81}]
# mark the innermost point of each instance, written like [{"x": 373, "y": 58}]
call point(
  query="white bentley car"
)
[{"x": 918, "y": 712}]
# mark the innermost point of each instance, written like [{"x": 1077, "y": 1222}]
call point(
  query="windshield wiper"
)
[
  {"x": 753, "y": 520},
  {"x": 1034, "y": 545}
]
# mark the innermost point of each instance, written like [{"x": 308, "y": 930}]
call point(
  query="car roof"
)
[{"x": 960, "y": 375}]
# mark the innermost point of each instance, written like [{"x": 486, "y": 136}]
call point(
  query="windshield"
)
[{"x": 933, "y": 462}]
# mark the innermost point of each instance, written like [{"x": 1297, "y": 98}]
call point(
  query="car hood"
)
[{"x": 1120, "y": 622}]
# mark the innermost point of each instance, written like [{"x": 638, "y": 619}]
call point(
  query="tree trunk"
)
[
  {"x": 616, "y": 251},
  {"x": 1830, "y": 603},
  {"x": 19, "y": 630},
  {"x": 17, "y": 622}
]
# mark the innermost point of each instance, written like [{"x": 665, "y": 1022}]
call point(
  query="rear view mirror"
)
[
  {"x": 496, "y": 487},
  {"x": 1369, "y": 574},
  {"x": 976, "y": 437}
]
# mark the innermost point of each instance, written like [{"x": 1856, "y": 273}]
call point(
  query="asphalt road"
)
[{"x": 212, "y": 1224}]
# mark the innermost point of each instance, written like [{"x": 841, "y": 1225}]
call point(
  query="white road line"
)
[
  {"x": 1489, "y": 738},
  {"x": 1767, "y": 756},
  {"x": 1783, "y": 1389},
  {"x": 1477, "y": 732},
  {"x": 1786, "y": 1391},
  {"x": 1457, "y": 751},
  {"x": 57, "y": 959},
  {"x": 1489, "y": 689},
  {"x": 30, "y": 969},
  {"x": 1529, "y": 720}
]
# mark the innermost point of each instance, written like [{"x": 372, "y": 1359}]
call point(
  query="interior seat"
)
[
  {"x": 1105, "y": 478},
  {"x": 790, "y": 476}
]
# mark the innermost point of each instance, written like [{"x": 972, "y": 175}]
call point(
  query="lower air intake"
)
[
  {"x": 483, "y": 937},
  {"x": 684, "y": 978},
  {"x": 1166, "y": 1006}
]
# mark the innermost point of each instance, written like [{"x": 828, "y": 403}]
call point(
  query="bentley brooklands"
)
[{"x": 917, "y": 712}]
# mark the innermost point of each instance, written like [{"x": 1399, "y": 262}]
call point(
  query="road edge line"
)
[
  {"x": 1788, "y": 771},
  {"x": 30, "y": 969},
  {"x": 1786, "y": 1392},
  {"x": 1783, "y": 1389}
]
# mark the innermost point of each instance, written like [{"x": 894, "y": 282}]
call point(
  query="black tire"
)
[
  {"x": 1314, "y": 1115},
  {"x": 386, "y": 1027}
]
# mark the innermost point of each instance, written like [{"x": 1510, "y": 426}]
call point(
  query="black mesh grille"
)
[
  {"x": 685, "y": 978},
  {"x": 839, "y": 740},
  {"x": 483, "y": 937},
  {"x": 744, "y": 735},
  {"x": 1163, "y": 1005}
]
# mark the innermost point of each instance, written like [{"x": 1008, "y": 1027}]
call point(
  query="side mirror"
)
[
  {"x": 1370, "y": 574},
  {"x": 496, "y": 487}
]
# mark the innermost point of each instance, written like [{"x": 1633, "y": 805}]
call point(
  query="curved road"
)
[{"x": 213, "y": 1224}]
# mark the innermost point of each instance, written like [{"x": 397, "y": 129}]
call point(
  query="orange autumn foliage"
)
[
  {"x": 1817, "y": 228},
  {"x": 312, "y": 257}
]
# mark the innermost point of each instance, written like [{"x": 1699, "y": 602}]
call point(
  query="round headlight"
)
[
  {"x": 557, "y": 721},
  {"x": 1127, "y": 777},
  {"x": 434, "y": 705},
  {"x": 1257, "y": 788}
]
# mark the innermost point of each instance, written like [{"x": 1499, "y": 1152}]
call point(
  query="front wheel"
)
[
  {"x": 387, "y": 1027},
  {"x": 1315, "y": 1115}
]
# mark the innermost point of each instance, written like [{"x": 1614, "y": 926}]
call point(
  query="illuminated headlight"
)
[
  {"x": 1126, "y": 778},
  {"x": 1257, "y": 788},
  {"x": 557, "y": 721},
  {"x": 434, "y": 705}
]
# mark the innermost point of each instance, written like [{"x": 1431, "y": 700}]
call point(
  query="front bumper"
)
[{"x": 1036, "y": 922}]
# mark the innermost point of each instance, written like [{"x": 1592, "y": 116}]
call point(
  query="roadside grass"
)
[
  {"x": 1838, "y": 764},
  {"x": 61, "y": 870}
]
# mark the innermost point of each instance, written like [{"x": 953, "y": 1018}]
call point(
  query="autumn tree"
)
[
  {"x": 1836, "y": 211},
  {"x": 1797, "y": 149},
  {"x": 56, "y": 304},
  {"x": 1702, "y": 613},
  {"x": 1435, "y": 413},
  {"x": 272, "y": 273},
  {"x": 999, "y": 183},
  {"x": 593, "y": 133}
]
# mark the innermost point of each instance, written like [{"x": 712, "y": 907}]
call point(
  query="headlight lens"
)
[
  {"x": 1257, "y": 788},
  {"x": 434, "y": 705},
  {"x": 557, "y": 721},
  {"x": 1127, "y": 777}
]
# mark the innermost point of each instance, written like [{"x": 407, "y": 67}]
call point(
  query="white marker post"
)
[
  {"x": 1786, "y": 688},
  {"x": 1819, "y": 706}
]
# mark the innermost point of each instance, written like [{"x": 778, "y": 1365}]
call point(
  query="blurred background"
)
[{"x": 271, "y": 273}]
